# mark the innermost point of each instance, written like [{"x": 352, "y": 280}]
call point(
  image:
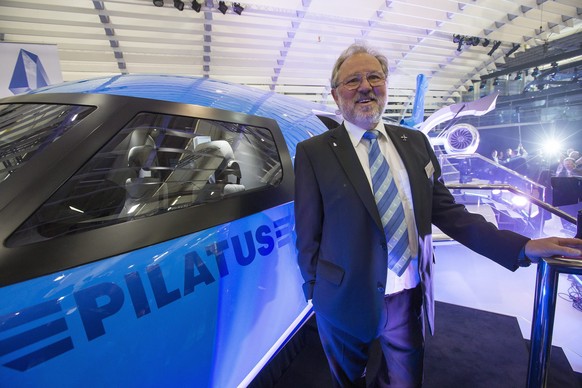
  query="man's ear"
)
[{"x": 334, "y": 95}]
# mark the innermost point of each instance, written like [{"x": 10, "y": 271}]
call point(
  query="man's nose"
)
[{"x": 365, "y": 84}]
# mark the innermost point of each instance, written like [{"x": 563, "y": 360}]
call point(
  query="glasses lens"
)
[
  {"x": 374, "y": 79},
  {"x": 353, "y": 83}
]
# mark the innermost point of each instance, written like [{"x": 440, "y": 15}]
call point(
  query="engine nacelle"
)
[{"x": 459, "y": 139}]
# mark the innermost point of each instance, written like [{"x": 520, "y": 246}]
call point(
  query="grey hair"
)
[{"x": 357, "y": 48}]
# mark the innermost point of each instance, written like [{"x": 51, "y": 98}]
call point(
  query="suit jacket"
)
[{"x": 342, "y": 251}]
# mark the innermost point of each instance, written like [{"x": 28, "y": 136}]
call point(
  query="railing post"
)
[
  {"x": 543, "y": 315},
  {"x": 542, "y": 325}
]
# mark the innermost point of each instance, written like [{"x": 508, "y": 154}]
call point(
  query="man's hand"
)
[{"x": 553, "y": 246}]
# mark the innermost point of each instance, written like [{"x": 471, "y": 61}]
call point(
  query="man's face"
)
[{"x": 364, "y": 105}]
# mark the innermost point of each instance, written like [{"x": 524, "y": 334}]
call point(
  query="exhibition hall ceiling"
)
[{"x": 290, "y": 46}]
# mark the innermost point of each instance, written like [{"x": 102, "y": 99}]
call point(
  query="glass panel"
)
[
  {"x": 505, "y": 197},
  {"x": 26, "y": 129},
  {"x": 477, "y": 169},
  {"x": 156, "y": 164}
]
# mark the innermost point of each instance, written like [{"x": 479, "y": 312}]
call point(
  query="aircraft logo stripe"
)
[
  {"x": 32, "y": 336},
  {"x": 38, "y": 357},
  {"x": 29, "y": 314},
  {"x": 283, "y": 231}
]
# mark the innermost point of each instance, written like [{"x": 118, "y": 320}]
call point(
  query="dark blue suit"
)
[{"x": 340, "y": 239}]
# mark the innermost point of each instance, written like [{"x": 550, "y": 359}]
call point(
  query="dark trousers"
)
[{"x": 401, "y": 340}]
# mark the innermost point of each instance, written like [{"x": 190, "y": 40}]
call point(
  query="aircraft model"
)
[
  {"x": 461, "y": 138},
  {"x": 147, "y": 232}
]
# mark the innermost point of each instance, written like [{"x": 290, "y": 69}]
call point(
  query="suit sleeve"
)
[{"x": 308, "y": 218}]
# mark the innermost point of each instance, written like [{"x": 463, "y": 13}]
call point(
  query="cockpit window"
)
[
  {"x": 158, "y": 163},
  {"x": 26, "y": 129}
]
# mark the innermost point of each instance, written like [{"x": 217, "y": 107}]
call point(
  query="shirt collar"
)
[{"x": 356, "y": 133}]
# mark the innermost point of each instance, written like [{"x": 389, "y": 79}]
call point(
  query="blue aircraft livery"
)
[
  {"x": 147, "y": 232},
  {"x": 158, "y": 311}
]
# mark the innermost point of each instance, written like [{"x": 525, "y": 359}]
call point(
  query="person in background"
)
[
  {"x": 569, "y": 168},
  {"x": 520, "y": 151},
  {"x": 509, "y": 154},
  {"x": 560, "y": 165},
  {"x": 368, "y": 265},
  {"x": 494, "y": 156}
]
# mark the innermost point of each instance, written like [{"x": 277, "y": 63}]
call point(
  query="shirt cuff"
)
[{"x": 522, "y": 259}]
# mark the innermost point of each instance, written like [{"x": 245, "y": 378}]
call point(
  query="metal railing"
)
[
  {"x": 543, "y": 316},
  {"x": 546, "y": 290},
  {"x": 529, "y": 197}
]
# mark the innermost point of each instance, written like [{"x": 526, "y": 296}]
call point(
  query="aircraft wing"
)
[{"x": 473, "y": 108}]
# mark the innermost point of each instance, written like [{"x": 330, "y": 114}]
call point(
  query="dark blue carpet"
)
[{"x": 471, "y": 348}]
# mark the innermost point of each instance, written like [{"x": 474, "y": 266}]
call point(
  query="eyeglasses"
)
[{"x": 354, "y": 81}]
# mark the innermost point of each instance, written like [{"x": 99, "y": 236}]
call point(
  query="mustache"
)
[{"x": 366, "y": 96}]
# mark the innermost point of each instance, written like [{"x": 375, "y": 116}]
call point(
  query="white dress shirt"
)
[{"x": 410, "y": 278}]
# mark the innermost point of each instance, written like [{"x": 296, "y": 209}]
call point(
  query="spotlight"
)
[
  {"x": 483, "y": 85},
  {"x": 159, "y": 3},
  {"x": 519, "y": 201},
  {"x": 485, "y": 42},
  {"x": 496, "y": 45},
  {"x": 461, "y": 40},
  {"x": 512, "y": 49},
  {"x": 495, "y": 82},
  {"x": 471, "y": 88},
  {"x": 196, "y": 6},
  {"x": 179, "y": 5},
  {"x": 222, "y": 7},
  {"x": 535, "y": 72},
  {"x": 237, "y": 8},
  {"x": 517, "y": 76}
]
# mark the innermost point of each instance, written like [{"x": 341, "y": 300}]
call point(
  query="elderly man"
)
[{"x": 366, "y": 196}]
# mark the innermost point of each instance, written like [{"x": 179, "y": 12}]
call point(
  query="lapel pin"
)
[{"x": 403, "y": 137}]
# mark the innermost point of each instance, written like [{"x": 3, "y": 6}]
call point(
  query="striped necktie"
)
[{"x": 389, "y": 206}]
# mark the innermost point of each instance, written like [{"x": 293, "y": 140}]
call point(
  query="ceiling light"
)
[
  {"x": 237, "y": 8},
  {"x": 485, "y": 42},
  {"x": 179, "y": 5},
  {"x": 496, "y": 45},
  {"x": 461, "y": 40},
  {"x": 159, "y": 3},
  {"x": 512, "y": 49},
  {"x": 222, "y": 7},
  {"x": 196, "y": 6}
]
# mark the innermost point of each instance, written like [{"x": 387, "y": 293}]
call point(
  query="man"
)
[
  {"x": 569, "y": 168},
  {"x": 344, "y": 250}
]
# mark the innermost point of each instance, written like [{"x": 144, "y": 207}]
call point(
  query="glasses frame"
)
[{"x": 354, "y": 77}]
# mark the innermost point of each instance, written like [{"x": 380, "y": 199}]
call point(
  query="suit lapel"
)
[
  {"x": 406, "y": 148},
  {"x": 342, "y": 147}
]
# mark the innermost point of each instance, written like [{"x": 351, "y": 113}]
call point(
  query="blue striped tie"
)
[{"x": 389, "y": 206}]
